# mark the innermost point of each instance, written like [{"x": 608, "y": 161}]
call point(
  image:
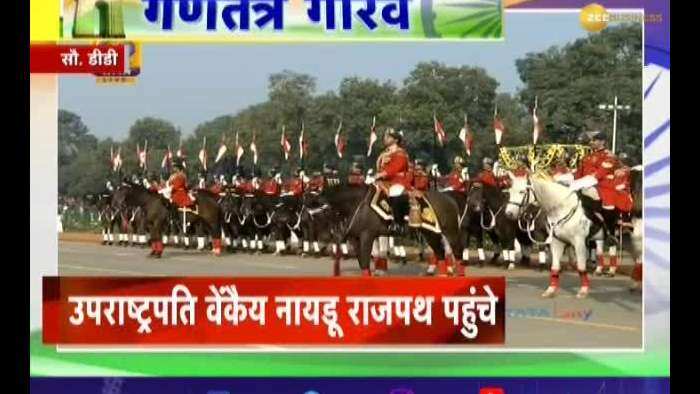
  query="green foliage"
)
[{"x": 569, "y": 81}]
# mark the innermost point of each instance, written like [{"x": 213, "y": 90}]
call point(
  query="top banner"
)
[{"x": 282, "y": 20}]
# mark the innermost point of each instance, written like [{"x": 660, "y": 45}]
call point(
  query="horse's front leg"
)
[
  {"x": 364, "y": 252},
  {"x": 557, "y": 247},
  {"x": 580, "y": 250}
]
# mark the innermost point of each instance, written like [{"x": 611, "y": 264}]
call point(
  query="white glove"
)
[
  {"x": 166, "y": 191},
  {"x": 583, "y": 183},
  {"x": 369, "y": 179}
]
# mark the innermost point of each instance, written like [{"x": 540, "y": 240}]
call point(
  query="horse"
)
[
  {"x": 233, "y": 220},
  {"x": 106, "y": 215},
  {"x": 351, "y": 205},
  {"x": 567, "y": 221},
  {"x": 156, "y": 213},
  {"x": 501, "y": 228}
]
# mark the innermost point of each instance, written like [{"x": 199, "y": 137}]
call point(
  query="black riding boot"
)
[{"x": 399, "y": 209}]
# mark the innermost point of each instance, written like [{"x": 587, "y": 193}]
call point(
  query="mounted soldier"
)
[
  {"x": 458, "y": 177},
  {"x": 392, "y": 180},
  {"x": 330, "y": 175},
  {"x": 421, "y": 179},
  {"x": 176, "y": 187},
  {"x": 488, "y": 176},
  {"x": 356, "y": 176},
  {"x": 294, "y": 186},
  {"x": 317, "y": 182},
  {"x": 271, "y": 186}
]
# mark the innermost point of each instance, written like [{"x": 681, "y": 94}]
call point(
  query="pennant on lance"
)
[
  {"x": 167, "y": 159},
  {"x": 303, "y": 145},
  {"x": 465, "y": 134},
  {"x": 372, "y": 136},
  {"x": 239, "y": 151},
  {"x": 536, "y": 126},
  {"x": 203, "y": 153},
  {"x": 498, "y": 127},
  {"x": 180, "y": 153},
  {"x": 339, "y": 141},
  {"x": 439, "y": 130},
  {"x": 117, "y": 160},
  {"x": 254, "y": 149},
  {"x": 284, "y": 142},
  {"x": 142, "y": 155},
  {"x": 222, "y": 149}
]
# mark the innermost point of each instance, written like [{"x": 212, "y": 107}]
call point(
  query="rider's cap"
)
[
  {"x": 398, "y": 135},
  {"x": 177, "y": 163},
  {"x": 458, "y": 160}
]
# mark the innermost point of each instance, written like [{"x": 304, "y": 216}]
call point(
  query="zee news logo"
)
[{"x": 594, "y": 17}]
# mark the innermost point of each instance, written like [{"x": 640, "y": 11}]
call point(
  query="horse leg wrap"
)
[
  {"x": 216, "y": 246},
  {"x": 543, "y": 257},
  {"x": 600, "y": 259},
  {"x": 637, "y": 272},
  {"x": 396, "y": 251},
  {"x": 317, "y": 248},
  {"x": 465, "y": 254},
  {"x": 176, "y": 239},
  {"x": 612, "y": 252},
  {"x": 380, "y": 264},
  {"x": 234, "y": 242},
  {"x": 461, "y": 268},
  {"x": 344, "y": 248},
  {"x": 134, "y": 238},
  {"x": 260, "y": 244},
  {"x": 432, "y": 263},
  {"x": 227, "y": 241},
  {"x": 252, "y": 243},
  {"x": 482, "y": 255},
  {"x": 402, "y": 251},
  {"x": 105, "y": 236},
  {"x": 585, "y": 280},
  {"x": 245, "y": 243},
  {"x": 165, "y": 239},
  {"x": 334, "y": 248},
  {"x": 391, "y": 242},
  {"x": 305, "y": 246},
  {"x": 279, "y": 246},
  {"x": 187, "y": 241},
  {"x": 142, "y": 239},
  {"x": 517, "y": 247},
  {"x": 200, "y": 243},
  {"x": 554, "y": 279},
  {"x": 449, "y": 263},
  {"x": 442, "y": 267}
]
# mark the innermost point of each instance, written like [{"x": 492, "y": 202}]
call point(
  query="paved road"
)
[{"x": 610, "y": 317}]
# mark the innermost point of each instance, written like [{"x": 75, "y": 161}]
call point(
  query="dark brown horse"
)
[{"x": 361, "y": 225}]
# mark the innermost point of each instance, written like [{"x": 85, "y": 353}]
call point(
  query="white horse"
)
[{"x": 568, "y": 224}]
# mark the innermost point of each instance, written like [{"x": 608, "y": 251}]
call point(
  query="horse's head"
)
[
  {"x": 519, "y": 195},
  {"x": 475, "y": 197},
  {"x": 230, "y": 203}
]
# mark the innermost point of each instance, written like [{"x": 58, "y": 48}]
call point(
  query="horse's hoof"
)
[
  {"x": 582, "y": 293},
  {"x": 550, "y": 292},
  {"x": 430, "y": 271},
  {"x": 511, "y": 266}
]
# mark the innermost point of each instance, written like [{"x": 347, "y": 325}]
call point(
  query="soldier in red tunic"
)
[
  {"x": 294, "y": 186},
  {"x": 178, "y": 186},
  {"x": 316, "y": 183},
  {"x": 356, "y": 176},
  {"x": 394, "y": 180},
  {"x": 245, "y": 186},
  {"x": 271, "y": 185},
  {"x": 455, "y": 180},
  {"x": 421, "y": 180},
  {"x": 487, "y": 176},
  {"x": 621, "y": 183}
]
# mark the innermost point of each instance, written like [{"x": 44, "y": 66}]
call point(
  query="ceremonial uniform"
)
[
  {"x": 178, "y": 185},
  {"x": 421, "y": 180},
  {"x": 394, "y": 163},
  {"x": 294, "y": 187},
  {"x": 271, "y": 187},
  {"x": 316, "y": 184},
  {"x": 623, "y": 197},
  {"x": 356, "y": 178},
  {"x": 455, "y": 182},
  {"x": 216, "y": 188},
  {"x": 601, "y": 165},
  {"x": 246, "y": 187},
  {"x": 487, "y": 177}
]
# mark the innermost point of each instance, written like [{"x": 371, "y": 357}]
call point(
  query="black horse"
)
[
  {"x": 106, "y": 214},
  {"x": 351, "y": 205},
  {"x": 156, "y": 213}
]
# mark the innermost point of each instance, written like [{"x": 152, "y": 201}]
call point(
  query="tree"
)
[
  {"x": 571, "y": 81},
  {"x": 73, "y": 137}
]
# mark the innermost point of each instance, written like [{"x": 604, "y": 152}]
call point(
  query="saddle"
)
[
  {"x": 602, "y": 218},
  {"x": 426, "y": 218}
]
